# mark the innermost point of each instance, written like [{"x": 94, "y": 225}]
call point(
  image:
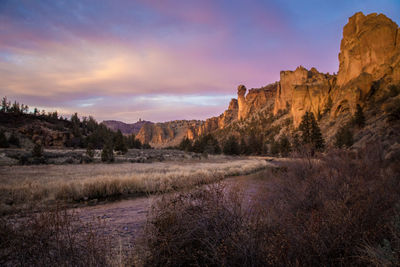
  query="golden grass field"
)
[{"x": 74, "y": 183}]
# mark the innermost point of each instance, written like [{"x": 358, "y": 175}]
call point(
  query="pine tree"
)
[
  {"x": 316, "y": 135},
  {"x": 186, "y": 144},
  {"x": 231, "y": 146},
  {"x": 305, "y": 128},
  {"x": 284, "y": 146},
  {"x": 274, "y": 147},
  {"x": 119, "y": 142},
  {"x": 359, "y": 118},
  {"x": 90, "y": 151},
  {"x": 243, "y": 146},
  {"x": 311, "y": 133},
  {"x": 4, "y": 105},
  {"x": 296, "y": 143},
  {"x": 107, "y": 154}
]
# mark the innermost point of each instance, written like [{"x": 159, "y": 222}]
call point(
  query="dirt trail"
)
[{"x": 125, "y": 218}]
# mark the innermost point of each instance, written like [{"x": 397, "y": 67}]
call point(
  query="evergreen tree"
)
[
  {"x": 284, "y": 146},
  {"x": 255, "y": 143},
  {"x": 243, "y": 146},
  {"x": 359, "y": 118},
  {"x": 274, "y": 147},
  {"x": 296, "y": 143},
  {"x": 344, "y": 137},
  {"x": 146, "y": 146},
  {"x": 3, "y": 140},
  {"x": 107, "y": 154},
  {"x": 311, "y": 133},
  {"x": 4, "y": 105},
  {"x": 119, "y": 142},
  {"x": 197, "y": 148},
  {"x": 231, "y": 146},
  {"x": 185, "y": 145},
  {"x": 90, "y": 151}
]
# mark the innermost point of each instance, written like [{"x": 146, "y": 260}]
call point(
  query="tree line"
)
[{"x": 84, "y": 132}]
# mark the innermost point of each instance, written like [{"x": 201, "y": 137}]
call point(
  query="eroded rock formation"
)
[{"x": 368, "y": 45}]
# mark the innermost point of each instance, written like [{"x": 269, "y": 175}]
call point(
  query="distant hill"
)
[{"x": 126, "y": 128}]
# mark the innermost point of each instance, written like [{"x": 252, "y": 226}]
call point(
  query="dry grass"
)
[{"x": 70, "y": 183}]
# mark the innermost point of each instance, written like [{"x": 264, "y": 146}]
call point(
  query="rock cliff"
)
[
  {"x": 303, "y": 90},
  {"x": 368, "y": 46},
  {"x": 167, "y": 133},
  {"x": 255, "y": 100},
  {"x": 369, "y": 64}
]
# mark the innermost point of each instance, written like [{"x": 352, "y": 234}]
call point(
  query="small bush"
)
[
  {"x": 37, "y": 151},
  {"x": 3, "y": 140},
  {"x": 52, "y": 238},
  {"x": 314, "y": 213},
  {"x": 344, "y": 137},
  {"x": 13, "y": 140}
]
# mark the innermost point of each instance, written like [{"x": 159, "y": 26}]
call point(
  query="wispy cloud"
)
[{"x": 162, "y": 60}]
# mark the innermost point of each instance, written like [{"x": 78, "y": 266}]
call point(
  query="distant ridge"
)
[{"x": 126, "y": 128}]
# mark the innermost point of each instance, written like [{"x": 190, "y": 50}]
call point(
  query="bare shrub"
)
[
  {"x": 326, "y": 211},
  {"x": 52, "y": 238},
  {"x": 203, "y": 227}
]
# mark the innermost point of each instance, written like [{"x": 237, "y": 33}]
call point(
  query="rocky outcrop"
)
[
  {"x": 303, "y": 90},
  {"x": 241, "y": 92},
  {"x": 368, "y": 46},
  {"x": 167, "y": 133},
  {"x": 369, "y": 54},
  {"x": 255, "y": 100}
]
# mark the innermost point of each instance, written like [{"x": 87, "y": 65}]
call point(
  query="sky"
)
[{"x": 163, "y": 60}]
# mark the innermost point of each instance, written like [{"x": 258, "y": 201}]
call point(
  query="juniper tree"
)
[
  {"x": 344, "y": 137},
  {"x": 37, "y": 150}
]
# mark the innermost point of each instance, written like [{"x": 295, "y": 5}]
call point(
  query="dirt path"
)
[{"x": 125, "y": 218}]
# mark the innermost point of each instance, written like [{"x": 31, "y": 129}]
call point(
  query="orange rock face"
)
[
  {"x": 255, "y": 100},
  {"x": 368, "y": 45},
  {"x": 302, "y": 90}
]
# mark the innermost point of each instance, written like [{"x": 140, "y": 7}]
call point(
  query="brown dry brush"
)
[
  {"x": 337, "y": 210},
  {"x": 52, "y": 238}
]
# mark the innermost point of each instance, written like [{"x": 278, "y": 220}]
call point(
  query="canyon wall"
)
[{"x": 369, "y": 54}]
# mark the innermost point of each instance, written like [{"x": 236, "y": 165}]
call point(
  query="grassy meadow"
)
[{"x": 47, "y": 184}]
